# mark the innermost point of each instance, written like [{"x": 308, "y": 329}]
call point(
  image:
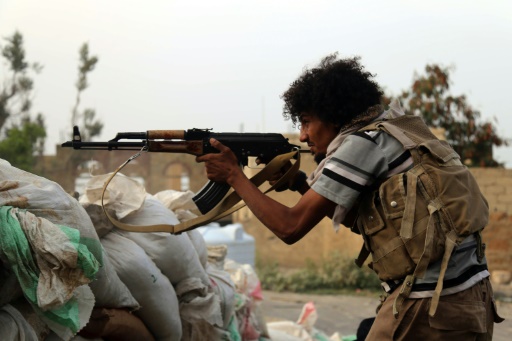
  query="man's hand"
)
[
  {"x": 278, "y": 175},
  {"x": 297, "y": 183},
  {"x": 222, "y": 166}
]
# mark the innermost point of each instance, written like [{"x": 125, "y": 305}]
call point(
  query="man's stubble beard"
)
[{"x": 319, "y": 157}]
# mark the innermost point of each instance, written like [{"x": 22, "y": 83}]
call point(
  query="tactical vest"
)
[{"x": 418, "y": 217}]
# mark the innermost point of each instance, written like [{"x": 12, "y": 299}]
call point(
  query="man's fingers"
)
[{"x": 217, "y": 145}]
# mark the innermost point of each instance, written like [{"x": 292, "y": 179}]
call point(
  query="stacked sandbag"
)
[
  {"x": 175, "y": 255},
  {"x": 164, "y": 272},
  {"x": 159, "y": 304},
  {"x": 41, "y": 240},
  {"x": 199, "y": 244},
  {"x": 247, "y": 298},
  {"x": 178, "y": 260},
  {"x": 236, "y": 285},
  {"x": 14, "y": 326},
  {"x": 302, "y": 330},
  {"x": 117, "y": 316},
  {"x": 224, "y": 287},
  {"x": 180, "y": 203},
  {"x": 186, "y": 290},
  {"x": 47, "y": 214}
]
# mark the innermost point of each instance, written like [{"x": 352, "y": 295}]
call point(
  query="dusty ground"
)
[{"x": 343, "y": 313}]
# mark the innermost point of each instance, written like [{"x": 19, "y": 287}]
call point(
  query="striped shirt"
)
[{"x": 367, "y": 157}]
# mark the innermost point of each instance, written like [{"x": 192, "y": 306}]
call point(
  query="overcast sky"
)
[{"x": 223, "y": 64}]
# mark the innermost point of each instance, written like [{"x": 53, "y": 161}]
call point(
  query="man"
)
[{"x": 332, "y": 103}]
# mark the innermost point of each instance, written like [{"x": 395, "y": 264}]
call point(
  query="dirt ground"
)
[{"x": 343, "y": 313}]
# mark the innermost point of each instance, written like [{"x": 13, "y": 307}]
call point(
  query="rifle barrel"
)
[{"x": 109, "y": 145}]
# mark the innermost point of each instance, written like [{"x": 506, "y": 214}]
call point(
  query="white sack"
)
[
  {"x": 109, "y": 291},
  {"x": 123, "y": 194},
  {"x": 101, "y": 223},
  {"x": 200, "y": 313},
  {"x": 175, "y": 200},
  {"x": 180, "y": 203},
  {"x": 199, "y": 244},
  {"x": 174, "y": 255},
  {"x": 47, "y": 199},
  {"x": 225, "y": 289},
  {"x": 13, "y": 325},
  {"x": 288, "y": 330},
  {"x": 159, "y": 304}
]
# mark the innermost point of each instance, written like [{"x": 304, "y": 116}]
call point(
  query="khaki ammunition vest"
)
[{"x": 417, "y": 217}]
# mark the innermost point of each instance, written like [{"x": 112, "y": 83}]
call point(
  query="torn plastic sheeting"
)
[{"x": 61, "y": 256}]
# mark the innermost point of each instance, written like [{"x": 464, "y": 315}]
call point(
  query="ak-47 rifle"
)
[{"x": 264, "y": 146}]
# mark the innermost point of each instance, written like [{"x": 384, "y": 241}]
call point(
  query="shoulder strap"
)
[{"x": 399, "y": 128}]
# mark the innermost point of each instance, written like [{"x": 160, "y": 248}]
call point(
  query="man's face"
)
[{"x": 317, "y": 134}]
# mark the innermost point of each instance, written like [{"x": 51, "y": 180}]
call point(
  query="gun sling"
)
[{"x": 229, "y": 204}]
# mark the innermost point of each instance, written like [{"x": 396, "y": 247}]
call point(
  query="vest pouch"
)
[{"x": 390, "y": 257}]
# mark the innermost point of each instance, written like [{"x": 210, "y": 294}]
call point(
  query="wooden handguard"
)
[
  {"x": 166, "y": 134},
  {"x": 188, "y": 147}
]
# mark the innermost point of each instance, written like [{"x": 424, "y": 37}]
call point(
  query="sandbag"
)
[
  {"x": 159, "y": 304},
  {"x": 288, "y": 331},
  {"x": 225, "y": 289},
  {"x": 25, "y": 309},
  {"x": 175, "y": 200},
  {"x": 52, "y": 267},
  {"x": 10, "y": 288},
  {"x": 109, "y": 291},
  {"x": 115, "y": 325},
  {"x": 174, "y": 255},
  {"x": 13, "y": 325},
  {"x": 47, "y": 199},
  {"x": 251, "y": 322},
  {"x": 200, "y": 312},
  {"x": 180, "y": 203},
  {"x": 199, "y": 244},
  {"x": 48, "y": 259},
  {"x": 101, "y": 223},
  {"x": 123, "y": 195}
]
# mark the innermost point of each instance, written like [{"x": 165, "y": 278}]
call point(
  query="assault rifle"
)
[{"x": 264, "y": 146}]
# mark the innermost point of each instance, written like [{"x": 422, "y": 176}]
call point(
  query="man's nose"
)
[{"x": 303, "y": 135}]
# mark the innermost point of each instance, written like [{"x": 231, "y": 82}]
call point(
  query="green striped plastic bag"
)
[{"x": 52, "y": 267}]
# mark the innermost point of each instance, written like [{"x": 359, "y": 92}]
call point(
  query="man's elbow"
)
[
  {"x": 291, "y": 231},
  {"x": 287, "y": 236},
  {"x": 290, "y": 240},
  {"x": 292, "y": 236}
]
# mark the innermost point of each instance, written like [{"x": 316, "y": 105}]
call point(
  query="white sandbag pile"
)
[
  {"x": 183, "y": 289},
  {"x": 114, "y": 284}
]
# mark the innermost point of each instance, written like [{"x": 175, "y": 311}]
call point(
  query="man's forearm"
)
[{"x": 290, "y": 224}]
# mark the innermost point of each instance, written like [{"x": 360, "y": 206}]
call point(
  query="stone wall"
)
[
  {"x": 496, "y": 184},
  {"x": 498, "y": 238}
]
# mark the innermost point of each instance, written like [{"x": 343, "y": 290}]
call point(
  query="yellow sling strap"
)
[{"x": 227, "y": 206}]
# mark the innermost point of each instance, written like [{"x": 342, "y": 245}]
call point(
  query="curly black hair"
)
[{"x": 337, "y": 91}]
